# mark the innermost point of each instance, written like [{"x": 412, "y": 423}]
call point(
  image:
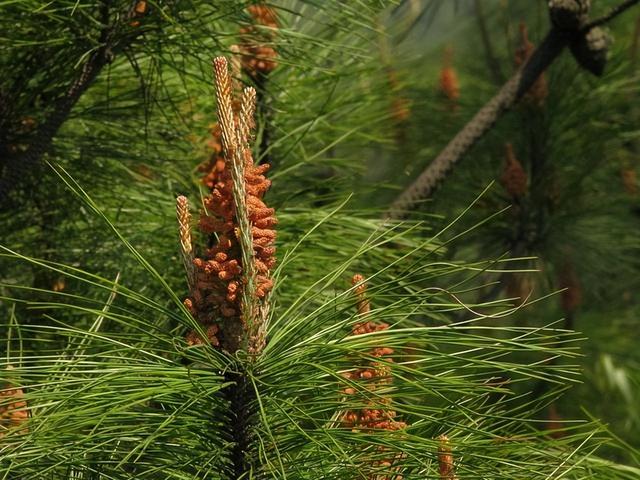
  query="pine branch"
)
[
  {"x": 241, "y": 398},
  {"x": 613, "y": 13},
  {"x": 553, "y": 44},
  {"x": 18, "y": 167},
  {"x": 480, "y": 124}
]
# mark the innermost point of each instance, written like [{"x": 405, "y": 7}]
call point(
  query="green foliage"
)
[
  {"x": 91, "y": 313},
  {"x": 127, "y": 398}
]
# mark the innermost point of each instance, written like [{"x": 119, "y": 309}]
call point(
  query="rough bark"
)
[{"x": 241, "y": 398}]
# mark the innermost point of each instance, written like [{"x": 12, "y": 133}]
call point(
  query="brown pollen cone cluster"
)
[
  {"x": 217, "y": 273},
  {"x": 12, "y": 413},
  {"x": 445, "y": 460},
  {"x": 263, "y": 221},
  {"x": 215, "y": 162},
  {"x": 449, "y": 85},
  {"x": 538, "y": 92},
  {"x": 514, "y": 178},
  {"x": 138, "y": 12},
  {"x": 378, "y": 415},
  {"x": 571, "y": 298},
  {"x": 220, "y": 281},
  {"x": 258, "y": 57}
]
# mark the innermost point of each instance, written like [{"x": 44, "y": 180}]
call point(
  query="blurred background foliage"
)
[{"x": 569, "y": 205}]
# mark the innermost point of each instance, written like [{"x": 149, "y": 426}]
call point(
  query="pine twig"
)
[
  {"x": 225, "y": 106},
  {"x": 240, "y": 423},
  {"x": 613, "y": 13},
  {"x": 254, "y": 311},
  {"x": 236, "y": 130}
]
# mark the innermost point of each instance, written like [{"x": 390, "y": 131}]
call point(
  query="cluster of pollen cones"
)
[
  {"x": 257, "y": 56},
  {"x": 140, "y": 9},
  {"x": 379, "y": 415},
  {"x": 445, "y": 459},
  {"x": 376, "y": 375},
  {"x": 224, "y": 287},
  {"x": 449, "y": 84},
  {"x": 13, "y": 408}
]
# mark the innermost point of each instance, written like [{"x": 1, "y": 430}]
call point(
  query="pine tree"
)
[{"x": 141, "y": 347}]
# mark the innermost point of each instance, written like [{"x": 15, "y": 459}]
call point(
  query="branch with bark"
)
[
  {"x": 570, "y": 28},
  {"x": 492, "y": 61},
  {"x": 18, "y": 166}
]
